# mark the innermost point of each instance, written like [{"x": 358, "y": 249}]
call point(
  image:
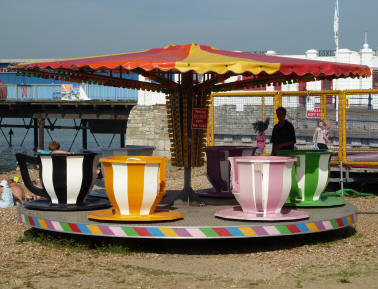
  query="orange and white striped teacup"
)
[{"x": 135, "y": 184}]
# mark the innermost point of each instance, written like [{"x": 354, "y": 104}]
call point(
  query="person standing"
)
[
  {"x": 315, "y": 137},
  {"x": 321, "y": 136},
  {"x": 283, "y": 135}
]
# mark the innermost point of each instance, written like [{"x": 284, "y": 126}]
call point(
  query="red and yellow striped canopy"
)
[{"x": 203, "y": 59}]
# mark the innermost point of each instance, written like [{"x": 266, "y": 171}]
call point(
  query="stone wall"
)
[{"x": 147, "y": 125}]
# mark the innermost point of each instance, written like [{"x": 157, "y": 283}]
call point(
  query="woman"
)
[{"x": 320, "y": 138}]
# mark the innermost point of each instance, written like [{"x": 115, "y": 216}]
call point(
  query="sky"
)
[{"x": 75, "y": 28}]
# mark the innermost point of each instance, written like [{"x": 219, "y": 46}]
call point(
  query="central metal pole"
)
[
  {"x": 188, "y": 193},
  {"x": 187, "y": 83}
]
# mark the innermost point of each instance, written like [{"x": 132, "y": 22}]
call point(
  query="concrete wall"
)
[{"x": 147, "y": 125}]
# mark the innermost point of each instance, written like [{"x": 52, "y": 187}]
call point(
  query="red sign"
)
[
  {"x": 200, "y": 118},
  {"x": 315, "y": 113}
]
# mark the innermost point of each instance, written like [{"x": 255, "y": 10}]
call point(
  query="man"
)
[
  {"x": 17, "y": 190},
  {"x": 283, "y": 135},
  {"x": 6, "y": 196}
]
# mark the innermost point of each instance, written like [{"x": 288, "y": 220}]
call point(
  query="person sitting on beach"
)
[
  {"x": 17, "y": 190},
  {"x": 6, "y": 195},
  {"x": 54, "y": 148}
]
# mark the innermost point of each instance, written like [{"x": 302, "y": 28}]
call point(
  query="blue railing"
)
[{"x": 65, "y": 92}]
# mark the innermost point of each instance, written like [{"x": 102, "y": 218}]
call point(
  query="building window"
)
[{"x": 375, "y": 79}]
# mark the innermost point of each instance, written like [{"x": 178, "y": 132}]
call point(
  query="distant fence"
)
[
  {"x": 353, "y": 113},
  {"x": 65, "y": 92}
]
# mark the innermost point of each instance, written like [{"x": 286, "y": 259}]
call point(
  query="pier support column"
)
[
  {"x": 84, "y": 123},
  {"x": 35, "y": 129},
  {"x": 122, "y": 140},
  {"x": 41, "y": 124},
  {"x": 122, "y": 137}
]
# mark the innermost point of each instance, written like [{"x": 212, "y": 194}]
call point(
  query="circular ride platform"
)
[{"x": 198, "y": 223}]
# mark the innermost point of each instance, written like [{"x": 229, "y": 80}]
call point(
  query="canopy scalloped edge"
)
[{"x": 203, "y": 59}]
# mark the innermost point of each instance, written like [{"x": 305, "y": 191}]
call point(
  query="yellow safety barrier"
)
[
  {"x": 341, "y": 96},
  {"x": 344, "y": 94}
]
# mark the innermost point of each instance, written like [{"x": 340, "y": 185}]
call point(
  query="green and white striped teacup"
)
[{"x": 310, "y": 178}]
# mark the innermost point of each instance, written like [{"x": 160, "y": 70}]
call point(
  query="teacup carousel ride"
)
[
  {"x": 135, "y": 186},
  {"x": 188, "y": 74}
]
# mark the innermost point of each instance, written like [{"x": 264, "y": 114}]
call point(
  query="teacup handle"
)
[{"x": 22, "y": 160}]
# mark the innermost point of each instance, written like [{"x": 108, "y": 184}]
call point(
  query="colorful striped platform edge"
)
[{"x": 188, "y": 232}]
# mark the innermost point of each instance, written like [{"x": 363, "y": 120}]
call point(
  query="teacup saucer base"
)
[
  {"x": 158, "y": 215},
  {"x": 324, "y": 202},
  {"x": 238, "y": 214},
  {"x": 92, "y": 203}
]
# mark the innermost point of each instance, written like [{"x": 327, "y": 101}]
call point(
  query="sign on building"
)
[{"x": 314, "y": 113}]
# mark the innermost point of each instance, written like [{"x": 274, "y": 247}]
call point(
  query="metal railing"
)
[
  {"x": 332, "y": 105},
  {"x": 56, "y": 92}
]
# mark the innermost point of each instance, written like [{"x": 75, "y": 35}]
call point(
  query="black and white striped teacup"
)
[{"x": 66, "y": 179}]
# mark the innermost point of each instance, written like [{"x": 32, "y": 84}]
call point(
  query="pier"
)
[{"x": 97, "y": 116}]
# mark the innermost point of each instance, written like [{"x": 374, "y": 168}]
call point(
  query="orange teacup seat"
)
[{"x": 135, "y": 185}]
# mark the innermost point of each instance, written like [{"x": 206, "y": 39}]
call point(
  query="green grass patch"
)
[
  {"x": 299, "y": 284},
  {"x": 76, "y": 243},
  {"x": 254, "y": 283}
]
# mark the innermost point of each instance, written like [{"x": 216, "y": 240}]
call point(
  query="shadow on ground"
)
[{"x": 188, "y": 247}]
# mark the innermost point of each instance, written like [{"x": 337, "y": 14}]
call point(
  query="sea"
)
[{"x": 23, "y": 140}]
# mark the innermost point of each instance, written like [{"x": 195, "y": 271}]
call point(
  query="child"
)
[
  {"x": 54, "y": 148},
  {"x": 260, "y": 127}
]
